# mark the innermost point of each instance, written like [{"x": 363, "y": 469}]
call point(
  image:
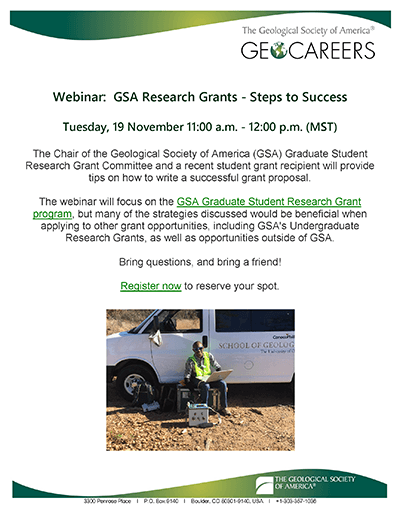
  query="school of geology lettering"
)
[{"x": 284, "y": 346}]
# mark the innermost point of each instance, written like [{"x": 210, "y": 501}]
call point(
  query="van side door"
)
[{"x": 257, "y": 344}]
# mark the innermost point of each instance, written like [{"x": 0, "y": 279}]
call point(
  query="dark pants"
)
[{"x": 205, "y": 387}]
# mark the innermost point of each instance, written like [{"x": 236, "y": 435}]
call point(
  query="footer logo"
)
[{"x": 265, "y": 486}]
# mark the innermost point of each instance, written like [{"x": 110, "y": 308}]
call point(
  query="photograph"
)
[{"x": 203, "y": 379}]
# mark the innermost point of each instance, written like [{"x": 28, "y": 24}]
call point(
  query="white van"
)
[{"x": 257, "y": 344}]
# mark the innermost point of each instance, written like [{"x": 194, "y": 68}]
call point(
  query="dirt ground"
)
[
  {"x": 262, "y": 419},
  {"x": 262, "y": 415}
]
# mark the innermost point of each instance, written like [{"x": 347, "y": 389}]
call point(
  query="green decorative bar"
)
[
  {"x": 101, "y": 25},
  {"x": 306, "y": 483}
]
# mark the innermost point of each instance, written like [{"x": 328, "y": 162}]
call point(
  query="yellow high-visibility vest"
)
[{"x": 205, "y": 370}]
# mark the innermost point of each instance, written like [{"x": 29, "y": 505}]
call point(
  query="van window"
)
[
  {"x": 255, "y": 320},
  {"x": 178, "y": 321},
  {"x": 273, "y": 320},
  {"x": 232, "y": 320}
]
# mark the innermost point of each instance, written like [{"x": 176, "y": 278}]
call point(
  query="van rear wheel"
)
[{"x": 129, "y": 375}]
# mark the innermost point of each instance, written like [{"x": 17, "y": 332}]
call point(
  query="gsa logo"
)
[{"x": 265, "y": 486}]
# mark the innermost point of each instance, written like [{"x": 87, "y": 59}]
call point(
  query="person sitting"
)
[{"x": 198, "y": 367}]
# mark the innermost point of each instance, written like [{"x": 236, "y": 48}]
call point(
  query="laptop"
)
[{"x": 216, "y": 376}]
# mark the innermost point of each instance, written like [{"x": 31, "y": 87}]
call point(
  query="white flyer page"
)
[{"x": 228, "y": 158}]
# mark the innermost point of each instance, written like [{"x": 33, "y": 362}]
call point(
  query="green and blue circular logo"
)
[{"x": 278, "y": 50}]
